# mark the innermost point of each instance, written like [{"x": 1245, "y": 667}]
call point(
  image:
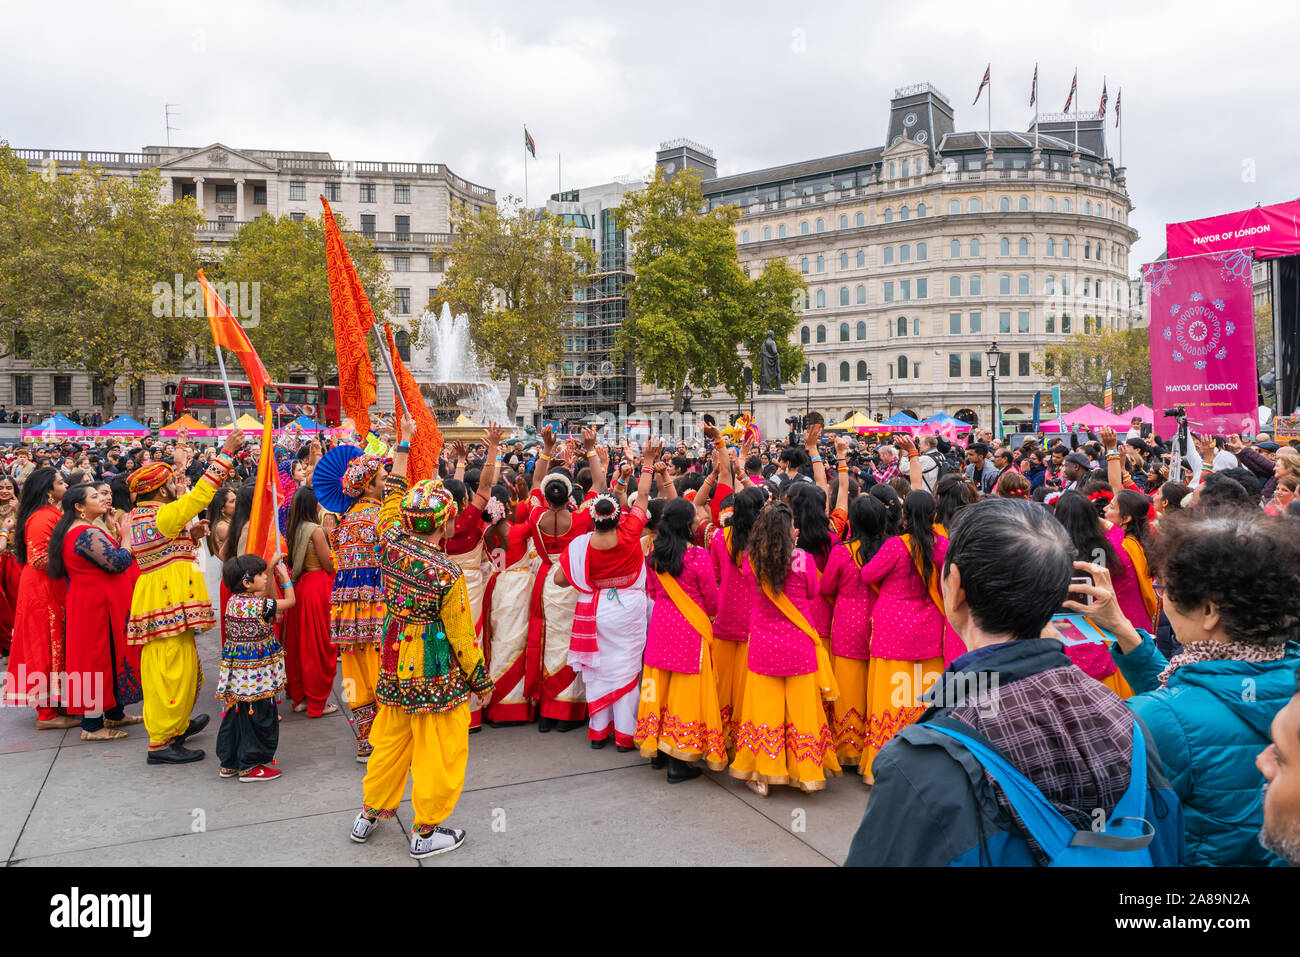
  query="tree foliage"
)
[
  {"x": 691, "y": 308},
  {"x": 513, "y": 274},
  {"x": 294, "y": 331},
  {"x": 1079, "y": 365}
]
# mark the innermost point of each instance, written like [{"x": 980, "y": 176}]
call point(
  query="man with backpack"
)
[
  {"x": 934, "y": 461},
  {"x": 1076, "y": 778}
]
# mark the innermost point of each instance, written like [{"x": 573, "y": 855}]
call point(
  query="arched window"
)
[
  {"x": 821, "y": 298},
  {"x": 1051, "y": 245},
  {"x": 860, "y": 294},
  {"x": 922, "y": 252},
  {"x": 892, "y": 169},
  {"x": 888, "y": 256},
  {"x": 954, "y": 207},
  {"x": 1022, "y": 284},
  {"x": 844, "y": 372},
  {"x": 780, "y": 231},
  {"x": 844, "y": 329},
  {"x": 1050, "y": 205},
  {"x": 744, "y": 235},
  {"x": 844, "y": 295},
  {"x": 767, "y": 232},
  {"x": 1065, "y": 205},
  {"x": 889, "y": 215},
  {"x": 973, "y": 205},
  {"x": 1065, "y": 248},
  {"x": 903, "y": 213},
  {"x": 974, "y": 247},
  {"x": 862, "y": 329},
  {"x": 844, "y": 260},
  {"x": 1023, "y": 204},
  {"x": 860, "y": 219},
  {"x": 821, "y": 333},
  {"x": 803, "y": 265},
  {"x": 916, "y": 326},
  {"x": 904, "y": 254},
  {"x": 1087, "y": 207},
  {"x": 821, "y": 225},
  {"x": 1087, "y": 250},
  {"x": 803, "y": 228},
  {"x": 902, "y": 325},
  {"x": 862, "y": 258},
  {"x": 1098, "y": 256},
  {"x": 821, "y": 372},
  {"x": 1087, "y": 287},
  {"x": 803, "y": 377},
  {"x": 821, "y": 263},
  {"x": 1049, "y": 285},
  {"x": 804, "y": 335},
  {"x": 920, "y": 210},
  {"x": 1004, "y": 285},
  {"x": 1023, "y": 246},
  {"x": 976, "y": 286},
  {"x": 844, "y": 221},
  {"x": 954, "y": 249},
  {"x": 403, "y": 342},
  {"x": 1004, "y": 247},
  {"x": 954, "y": 286},
  {"x": 862, "y": 370},
  {"x": 901, "y": 365},
  {"x": 1004, "y": 205}
]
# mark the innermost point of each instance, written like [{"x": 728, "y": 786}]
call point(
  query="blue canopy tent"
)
[
  {"x": 57, "y": 427},
  {"x": 307, "y": 424},
  {"x": 123, "y": 427},
  {"x": 901, "y": 422}
]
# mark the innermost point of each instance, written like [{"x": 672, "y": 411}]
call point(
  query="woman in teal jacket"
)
[{"x": 1230, "y": 585}]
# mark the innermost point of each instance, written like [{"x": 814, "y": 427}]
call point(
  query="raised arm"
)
[
  {"x": 390, "y": 512},
  {"x": 842, "y": 473},
  {"x": 1114, "y": 464},
  {"x": 593, "y": 460},
  {"x": 810, "y": 438},
  {"x": 491, "y": 465},
  {"x": 175, "y": 515},
  {"x": 648, "y": 460},
  {"x": 544, "y": 459}
]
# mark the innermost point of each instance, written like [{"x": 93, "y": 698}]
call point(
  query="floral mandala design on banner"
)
[
  {"x": 1198, "y": 330},
  {"x": 1159, "y": 275},
  {"x": 1237, "y": 266}
]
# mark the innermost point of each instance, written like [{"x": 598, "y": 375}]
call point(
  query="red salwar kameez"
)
[{"x": 36, "y": 664}]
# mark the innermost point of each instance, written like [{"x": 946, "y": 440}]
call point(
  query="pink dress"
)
[
  {"x": 673, "y": 644},
  {"x": 777, "y": 646},
  {"x": 1125, "y": 579},
  {"x": 821, "y": 606},
  {"x": 737, "y": 591},
  {"x": 854, "y": 602},
  {"x": 905, "y": 623}
]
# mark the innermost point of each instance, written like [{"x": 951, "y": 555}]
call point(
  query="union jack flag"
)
[
  {"x": 1074, "y": 86},
  {"x": 1102, "y": 109},
  {"x": 983, "y": 83},
  {"x": 1033, "y": 90},
  {"x": 1118, "y": 96}
]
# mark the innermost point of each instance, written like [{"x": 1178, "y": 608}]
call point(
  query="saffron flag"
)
[
  {"x": 427, "y": 441},
  {"x": 352, "y": 320},
  {"x": 1074, "y": 86},
  {"x": 529, "y": 144},
  {"x": 983, "y": 83},
  {"x": 263, "y": 531},
  {"x": 1033, "y": 88},
  {"x": 1102, "y": 109},
  {"x": 227, "y": 333}
]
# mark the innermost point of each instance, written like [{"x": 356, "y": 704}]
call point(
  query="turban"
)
[
  {"x": 359, "y": 473},
  {"x": 149, "y": 478},
  {"x": 427, "y": 506}
]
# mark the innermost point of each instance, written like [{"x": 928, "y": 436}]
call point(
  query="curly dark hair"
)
[
  {"x": 1247, "y": 565},
  {"x": 771, "y": 545}
]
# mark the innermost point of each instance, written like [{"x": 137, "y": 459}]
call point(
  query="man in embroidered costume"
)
[
  {"x": 429, "y": 664},
  {"x": 170, "y": 603},
  {"x": 357, "y": 600}
]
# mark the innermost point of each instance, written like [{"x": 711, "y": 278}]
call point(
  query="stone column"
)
[
  {"x": 239, "y": 199},
  {"x": 198, "y": 194}
]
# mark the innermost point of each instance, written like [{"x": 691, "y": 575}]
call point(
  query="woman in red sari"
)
[
  {"x": 36, "y": 659},
  {"x": 311, "y": 661},
  {"x": 10, "y": 570},
  {"x": 104, "y": 673}
]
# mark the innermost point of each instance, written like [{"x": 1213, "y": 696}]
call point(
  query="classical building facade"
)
[
  {"x": 921, "y": 253},
  {"x": 405, "y": 208}
]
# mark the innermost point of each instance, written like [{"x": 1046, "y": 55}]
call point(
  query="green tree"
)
[
  {"x": 690, "y": 305},
  {"x": 513, "y": 274},
  {"x": 294, "y": 329},
  {"x": 89, "y": 249},
  {"x": 1079, "y": 365},
  {"x": 1264, "y": 337}
]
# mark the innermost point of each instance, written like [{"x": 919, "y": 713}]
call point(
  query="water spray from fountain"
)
[{"x": 449, "y": 376}]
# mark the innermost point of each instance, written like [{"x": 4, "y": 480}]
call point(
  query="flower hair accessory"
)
[
  {"x": 561, "y": 478},
  {"x": 494, "y": 511},
  {"x": 606, "y": 497}
]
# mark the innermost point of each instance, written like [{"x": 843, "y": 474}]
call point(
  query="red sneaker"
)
[{"x": 259, "y": 773}]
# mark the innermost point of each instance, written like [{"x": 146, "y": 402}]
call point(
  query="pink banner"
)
[
  {"x": 1270, "y": 230},
  {"x": 1202, "y": 328}
]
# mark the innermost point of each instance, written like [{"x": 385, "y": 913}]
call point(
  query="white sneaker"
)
[
  {"x": 438, "y": 841},
  {"x": 363, "y": 827}
]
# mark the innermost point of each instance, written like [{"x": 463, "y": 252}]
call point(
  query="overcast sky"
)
[{"x": 1211, "y": 122}]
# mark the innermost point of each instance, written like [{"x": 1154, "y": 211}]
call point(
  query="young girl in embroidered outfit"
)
[
  {"x": 252, "y": 670},
  {"x": 782, "y": 736},
  {"x": 679, "y": 717}
]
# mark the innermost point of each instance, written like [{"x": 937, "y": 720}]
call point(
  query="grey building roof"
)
[{"x": 792, "y": 171}]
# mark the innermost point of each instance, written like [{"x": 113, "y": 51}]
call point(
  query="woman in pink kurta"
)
[
  {"x": 679, "y": 716},
  {"x": 736, "y": 592}
]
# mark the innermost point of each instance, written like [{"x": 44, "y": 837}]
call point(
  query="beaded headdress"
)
[
  {"x": 149, "y": 478},
  {"x": 427, "y": 506},
  {"x": 359, "y": 472}
]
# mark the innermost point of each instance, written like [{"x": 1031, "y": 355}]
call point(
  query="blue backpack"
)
[{"x": 1126, "y": 840}]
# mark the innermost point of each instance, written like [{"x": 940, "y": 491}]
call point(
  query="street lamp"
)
[
  {"x": 1120, "y": 388},
  {"x": 686, "y": 407},
  {"x": 994, "y": 354},
  {"x": 889, "y": 397},
  {"x": 870, "y": 415}
]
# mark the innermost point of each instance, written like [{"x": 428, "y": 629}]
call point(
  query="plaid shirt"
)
[{"x": 885, "y": 474}]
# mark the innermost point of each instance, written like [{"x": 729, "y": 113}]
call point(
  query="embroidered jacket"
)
[
  {"x": 428, "y": 661},
  {"x": 357, "y": 597},
  {"x": 252, "y": 659}
]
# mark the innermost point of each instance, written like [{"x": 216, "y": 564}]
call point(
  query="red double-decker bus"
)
[{"x": 205, "y": 399}]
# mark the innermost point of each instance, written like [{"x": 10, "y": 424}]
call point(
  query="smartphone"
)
[{"x": 1081, "y": 597}]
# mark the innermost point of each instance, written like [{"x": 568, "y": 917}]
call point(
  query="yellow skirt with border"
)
[
  {"x": 782, "y": 736},
  {"x": 679, "y": 715},
  {"x": 849, "y": 710},
  {"x": 730, "y": 668},
  {"x": 892, "y": 689}
]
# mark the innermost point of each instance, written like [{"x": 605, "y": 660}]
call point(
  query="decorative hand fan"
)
[{"x": 327, "y": 478}]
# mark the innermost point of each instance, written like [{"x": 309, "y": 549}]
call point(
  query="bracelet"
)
[
  {"x": 841, "y": 468},
  {"x": 543, "y": 458},
  {"x": 1112, "y": 454},
  {"x": 403, "y": 447},
  {"x": 816, "y": 458},
  {"x": 719, "y": 443},
  {"x": 590, "y": 454}
]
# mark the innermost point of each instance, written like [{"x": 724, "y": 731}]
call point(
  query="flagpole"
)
[
  {"x": 989, "y": 104},
  {"x": 225, "y": 380},
  {"x": 525, "y": 166},
  {"x": 1035, "y": 106},
  {"x": 559, "y": 174},
  {"x": 392, "y": 373},
  {"x": 1076, "y": 109},
  {"x": 1119, "y": 120}
]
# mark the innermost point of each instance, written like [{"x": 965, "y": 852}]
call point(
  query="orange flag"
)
[
  {"x": 229, "y": 334},
  {"x": 263, "y": 532},
  {"x": 427, "y": 443},
  {"x": 352, "y": 321}
]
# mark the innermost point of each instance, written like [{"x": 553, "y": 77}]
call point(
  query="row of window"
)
[
  {"x": 905, "y": 368},
  {"x": 435, "y": 263},
  {"x": 334, "y": 192},
  {"x": 958, "y": 324},
  {"x": 62, "y": 389},
  {"x": 904, "y": 253},
  {"x": 904, "y": 290}
]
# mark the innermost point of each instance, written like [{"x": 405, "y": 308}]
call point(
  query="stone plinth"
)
[{"x": 770, "y": 413}]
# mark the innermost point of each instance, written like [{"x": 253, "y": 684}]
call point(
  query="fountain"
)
[{"x": 446, "y": 368}]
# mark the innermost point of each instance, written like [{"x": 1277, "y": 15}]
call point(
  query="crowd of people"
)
[{"x": 783, "y": 611}]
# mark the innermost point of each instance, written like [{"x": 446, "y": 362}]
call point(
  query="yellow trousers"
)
[
  {"x": 679, "y": 716},
  {"x": 782, "y": 736},
  {"x": 730, "y": 668},
  {"x": 893, "y": 685},
  {"x": 849, "y": 711},
  {"x": 432, "y": 748},
  {"x": 360, "y": 670},
  {"x": 169, "y": 679}
]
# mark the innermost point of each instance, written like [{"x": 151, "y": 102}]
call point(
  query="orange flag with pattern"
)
[{"x": 353, "y": 318}]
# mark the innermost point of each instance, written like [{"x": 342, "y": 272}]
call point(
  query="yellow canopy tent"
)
[
  {"x": 857, "y": 421},
  {"x": 246, "y": 422}
]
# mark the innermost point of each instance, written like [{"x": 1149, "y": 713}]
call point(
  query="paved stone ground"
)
[{"x": 529, "y": 799}]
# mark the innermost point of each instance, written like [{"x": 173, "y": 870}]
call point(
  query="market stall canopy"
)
[
  {"x": 943, "y": 418},
  {"x": 195, "y": 429},
  {"x": 901, "y": 422},
  {"x": 1143, "y": 412},
  {"x": 122, "y": 427},
  {"x": 856, "y": 421},
  {"x": 1094, "y": 418},
  {"x": 58, "y": 427}
]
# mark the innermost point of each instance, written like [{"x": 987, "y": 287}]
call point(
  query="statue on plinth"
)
[{"x": 769, "y": 380}]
